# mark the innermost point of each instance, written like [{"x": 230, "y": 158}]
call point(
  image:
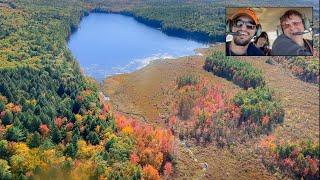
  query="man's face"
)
[
  {"x": 246, "y": 29},
  {"x": 291, "y": 25}
]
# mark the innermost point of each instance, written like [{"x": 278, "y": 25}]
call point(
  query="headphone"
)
[
  {"x": 229, "y": 28},
  {"x": 306, "y": 24}
]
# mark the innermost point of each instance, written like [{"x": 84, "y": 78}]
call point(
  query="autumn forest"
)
[{"x": 56, "y": 122}]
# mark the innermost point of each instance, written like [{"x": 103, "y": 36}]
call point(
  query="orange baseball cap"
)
[{"x": 247, "y": 12}]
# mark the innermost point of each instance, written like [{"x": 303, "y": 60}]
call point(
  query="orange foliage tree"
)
[{"x": 153, "y": 146}]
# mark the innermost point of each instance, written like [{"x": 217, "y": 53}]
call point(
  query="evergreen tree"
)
[
  {"x": 2, "y": 106},
  {"x": 93, "y": 138},
  {"x": 15, "y": 134},
  {"x": 71, "y": 150},
  {"x": 35, "y": 140},
  {"x": 56, "y": 135},
  {"x": 8, "y": 118},
  {"x": 3, "y": 149}
]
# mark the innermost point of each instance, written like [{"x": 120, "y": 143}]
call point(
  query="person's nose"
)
[
  {"x": 243, "y": 27},
  {"x": 291, "y": 27}
]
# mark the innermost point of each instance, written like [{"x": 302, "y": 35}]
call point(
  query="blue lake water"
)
[{"x": 109, "y": 44}]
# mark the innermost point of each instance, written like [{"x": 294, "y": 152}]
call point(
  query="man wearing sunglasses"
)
[
  {"x": 291, "y": 42},
  {"x": 243, "y": 25}
]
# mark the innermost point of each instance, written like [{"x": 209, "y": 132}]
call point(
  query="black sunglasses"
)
[{"x": 239, "y": 23}]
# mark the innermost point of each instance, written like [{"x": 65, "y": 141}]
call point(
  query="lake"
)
[{"x": 109, "y": 44}]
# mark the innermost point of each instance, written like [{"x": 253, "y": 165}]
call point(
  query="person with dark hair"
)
[
  {"x": 244, "y": 25},
  {"x": 262, "y": 42},
  {"x": 291, "y": 42}
]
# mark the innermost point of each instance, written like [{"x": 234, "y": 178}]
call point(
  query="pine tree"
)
[
  {"x": 93, "y": 138},
  {"x": 15, "y": 134},
  {"x": 71, "y": 150},
  {"x": 35, "y": 140},
  {"x": 2, "y": 106},
  {"x": 8, "y": 118},
  {"x": 56, "y": 135},
  {"x": 3, "y": 149}
]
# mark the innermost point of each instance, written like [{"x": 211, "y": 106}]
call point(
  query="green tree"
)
[
  {"x": 125, "y": 171},
  {"x": 8, "y": 118},
  {"x": 71, "y": 150},
  {"x": 2, "y": 106},
  {"x": 35, "y": 124},
  {"x": 93, "y": 138},
  {"x": 56, "y": 135},
  {"x": 15, "y": 134},
  {"x": 35, "y": 140},
  {"x": 5, "y": 172},
  {"x": 4, "y": 149}
]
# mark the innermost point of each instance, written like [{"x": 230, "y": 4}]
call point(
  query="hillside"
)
[
  {"x": 194, "y": 19},
  {"x": 54, "y": 121},
  {"x": 183, "y": 118},
  {"x": 148, "y": 93}
]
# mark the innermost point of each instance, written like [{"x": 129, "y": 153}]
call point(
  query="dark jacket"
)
[
  {"x": 266, "y": 51},
  {"x": 251, "y": 51},
  {"x": 284, "y": 46}
]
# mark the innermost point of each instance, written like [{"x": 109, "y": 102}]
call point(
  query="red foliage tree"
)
[
  {"x": 168, "y": 169},
  {"x": 44, "y": 130},
  {"x": 58, "y": 122},
  {"x": 69, "y": 126},
  {"x": 134, "y": 158}
]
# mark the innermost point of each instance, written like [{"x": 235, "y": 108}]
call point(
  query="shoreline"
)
[
  {"x": 149, "y": 91},
  {"x": 74, "y": 28},
  {"x": 198, "y": 52},
  {"x": 198, "y": 36}
]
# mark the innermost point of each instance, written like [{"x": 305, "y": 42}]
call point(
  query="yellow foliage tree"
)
[
  {"x": 78, "y": 117},
  {"x": 83, "y": 169},
  {"x": 86, "y": 151},
  {"x": 127, "y": 130},
  {"x": 24, "y": 159}
]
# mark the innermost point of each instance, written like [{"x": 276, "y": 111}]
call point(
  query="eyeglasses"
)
[
  {"x": 294, "y": 23},
  {"x": 239, "y": 23}
]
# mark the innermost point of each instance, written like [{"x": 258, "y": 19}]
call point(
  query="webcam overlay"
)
[{"x": 269, "y": 31}]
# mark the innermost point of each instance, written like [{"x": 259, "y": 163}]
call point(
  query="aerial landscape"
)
[{"x": 142, "y": 89}]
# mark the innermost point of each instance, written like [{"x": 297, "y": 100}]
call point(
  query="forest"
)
[
  {"x": 53, "y": 119},
  {"x": 206, "y": 115},
  {"x": 203, "y": 21},
  {"x": 211, "y": 114}
]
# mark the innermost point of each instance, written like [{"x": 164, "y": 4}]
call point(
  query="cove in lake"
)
[{"x": 109, "y": 44}]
